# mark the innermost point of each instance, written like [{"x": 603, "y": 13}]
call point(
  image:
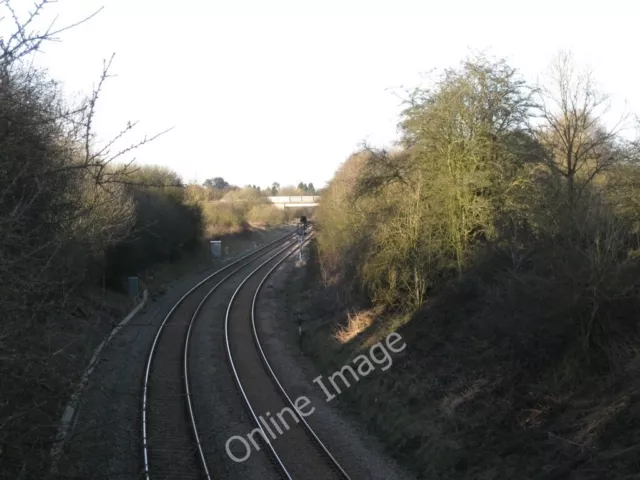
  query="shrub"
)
[
  {"x": 58, "y": 213},
  {"x": 164, "y": 227},
  {"x": 266, "y": 214},
  {"x": 221, "y": 217},
  {"x": 472, "y": 190},
  {"x": 235, "y": 210}
]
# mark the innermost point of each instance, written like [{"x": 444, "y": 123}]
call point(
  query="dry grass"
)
[
  {"x": 472, "y": 399},
  {"x": 357, "y": 322},
  {"x": 214, "y": 231}
]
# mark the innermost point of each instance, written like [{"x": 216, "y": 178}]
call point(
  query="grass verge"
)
[{"x": 468, "y": 400}]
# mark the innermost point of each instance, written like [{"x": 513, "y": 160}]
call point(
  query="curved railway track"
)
[
  {"x": 171, "y": 446},
  {"x": 297, "y": 450},
  {"x": 171, "y": 443}
]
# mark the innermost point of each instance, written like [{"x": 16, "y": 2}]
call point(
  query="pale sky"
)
[{"x": 284, "y": 90}]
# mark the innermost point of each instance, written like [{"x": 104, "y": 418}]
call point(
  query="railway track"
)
[
  {"x": 172, "y": 447},
  {"x": 296, "y": 449}
]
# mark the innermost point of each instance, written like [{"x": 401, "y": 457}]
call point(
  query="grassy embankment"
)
[{"x": 504, "y": 251}]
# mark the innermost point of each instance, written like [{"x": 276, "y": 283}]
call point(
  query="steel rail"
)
[
  {"x": 235, "y": 372},
  {"x": 274, "y": 377},
  {"x": 185, "y": 362},
  {"x": 315, "y": 438}
]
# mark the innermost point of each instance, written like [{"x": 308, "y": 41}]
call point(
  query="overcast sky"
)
[{"x": 272, "y": 90}]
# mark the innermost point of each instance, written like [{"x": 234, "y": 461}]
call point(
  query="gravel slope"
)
[
  {"x": 105, "y": 441},
  {"x": 359, "y": 454}
]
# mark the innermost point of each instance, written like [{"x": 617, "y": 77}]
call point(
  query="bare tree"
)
[
  {"x": 26, "y": 38},
  {"x": 62, "y": 203},
  {"x": 573, "y": 129}
]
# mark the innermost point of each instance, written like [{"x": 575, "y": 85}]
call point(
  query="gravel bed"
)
[
  {"x": 360, "y": 454},
  {"x": 105, "y": 441},
  {"x": 218, "y": 406}
]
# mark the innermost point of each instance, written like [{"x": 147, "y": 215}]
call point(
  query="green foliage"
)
[
  {"x": 247, "y": 194},
  {"x": 308, "y": 189},
  {"x": 221, "y": 217},
  {"x": 164, "y": 228},
  {"x": 426, "y": 206},
  {"x": 165, "y": 222},
  {"x": 472, "y": 182},
  {"x": 217, "y": 183},
  {"x": 237, "y": 210},
  {"x": 507, "y": 236},
  {"x": 265, "y": 214}
]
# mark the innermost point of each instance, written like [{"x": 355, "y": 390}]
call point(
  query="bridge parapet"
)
[{"x": 293, "y": 201}]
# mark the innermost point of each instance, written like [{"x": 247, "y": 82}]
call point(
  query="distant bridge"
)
[{"x": 295, "y": 201}]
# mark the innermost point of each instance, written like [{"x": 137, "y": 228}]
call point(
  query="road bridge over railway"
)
[{"x": 295, "y": 201}]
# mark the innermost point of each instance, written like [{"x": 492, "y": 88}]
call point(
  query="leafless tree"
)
[
  {"x": 572, "y": 125},
  {"x": 25, "y": 38},
  {"x": 62, "y": 202}
]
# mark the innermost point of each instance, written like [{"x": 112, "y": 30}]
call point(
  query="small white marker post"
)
[{"x": 216, "y": 248}]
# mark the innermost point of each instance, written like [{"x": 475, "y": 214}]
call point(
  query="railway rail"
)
[
  {"x": 298, "y": 452},
  {"x": 171, "y": 442},
  {"x": 171, "y": 445}
]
